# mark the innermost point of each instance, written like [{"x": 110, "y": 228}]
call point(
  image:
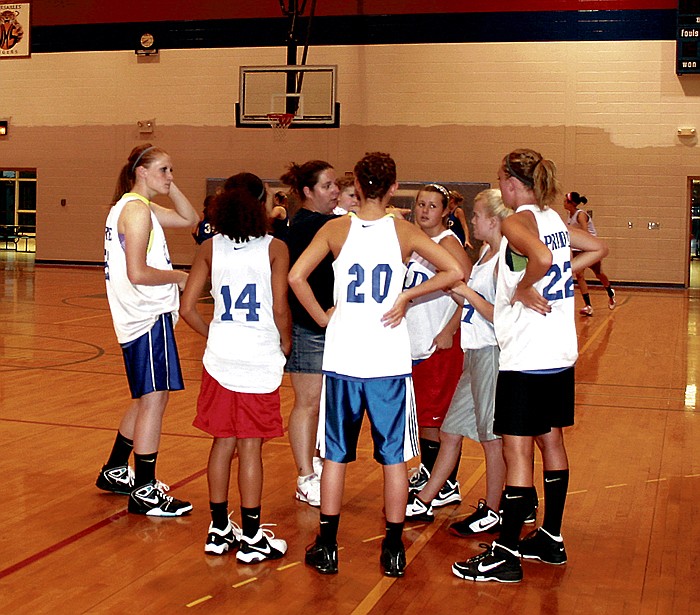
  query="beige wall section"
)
[{"x": 607, "y": 113}]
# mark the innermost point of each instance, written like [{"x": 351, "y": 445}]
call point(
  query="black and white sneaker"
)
[
  {"x": 416, "y": 510},
  {"x": 260, "y": 547},
  {"x": 448, "y": 494},
  {"x": 497, "y": 563},
  {"x": 393, "y": 560},
  {"x": 419, "y": 478},
  {"x": 220, "y": 541},
  {"x": 540, "y": 544},
  {"x": 118, "y": 480},
  {"x": 151, "y": 500},
  {"x": 483, "y": 519},
  {"x": 324, "y": 558}
]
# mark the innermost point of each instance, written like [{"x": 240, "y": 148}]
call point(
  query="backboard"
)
[{"x": 309, "y": 92}]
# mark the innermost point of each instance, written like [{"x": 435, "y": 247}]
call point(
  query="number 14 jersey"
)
[
  {"x": 369, "y": 274},
  {"x": 243, "y": 350}
]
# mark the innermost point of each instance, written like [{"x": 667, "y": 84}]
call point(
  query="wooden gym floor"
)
[{"x": 631, "y": 523}]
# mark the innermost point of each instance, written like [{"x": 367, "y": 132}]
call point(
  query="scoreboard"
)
[{"x": 688, "y": 37}]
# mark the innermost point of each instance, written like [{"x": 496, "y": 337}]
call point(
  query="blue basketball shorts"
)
[
  {"x": 390, "y": 407},
  {"x": 151, "y": 361}
]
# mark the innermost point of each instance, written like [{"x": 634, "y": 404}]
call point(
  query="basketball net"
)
[{"x": 280, "y": 122}]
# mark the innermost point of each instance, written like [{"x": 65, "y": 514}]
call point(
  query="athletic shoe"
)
[
  {"x": 309, "y": 489},
  {"x": 540, "y": 544},
  {"x": 483, "y": 519},
  {"x": 393, "y": 560},
  {"x": 260, "y": 547},
  {"x": 417, "y": 510},
  {"x": 324, "y": 558},
  {"x": 220, "y": 541},
  {"x": 611, "y": 299},
  {"x": 586, "y": 311},
  {"x": 150, "y": 500},
  {"x": 497, "y": 563},
  {"x": 117, "y": 480},
  {"x": 419, "y": 478},
  {"x": 317, "y": 465},
  {"x": 448, "y": 494}
]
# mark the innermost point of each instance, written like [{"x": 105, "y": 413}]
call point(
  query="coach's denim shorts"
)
[{"x": 307, "y": 351}]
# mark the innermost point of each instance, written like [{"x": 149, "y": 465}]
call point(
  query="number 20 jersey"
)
[
  {"x": 369, "y": 274},
  {"x": 531, "y": 341},
  {"x": 243, "y": 350}
]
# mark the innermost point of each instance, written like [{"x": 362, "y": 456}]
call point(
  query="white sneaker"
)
[
  {"x": 309, "y": 489},
  {"x": 260, "y": 547},
  {"x": 611, "y": 300},
  {"x": 220, "y": 541},
  {"x": 586, "y": 311}
]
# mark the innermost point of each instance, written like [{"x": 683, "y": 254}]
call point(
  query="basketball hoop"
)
[{"x": 279, "y": 123}]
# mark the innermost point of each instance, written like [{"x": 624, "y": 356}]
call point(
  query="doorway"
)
[
  {"x": 694, "y": 273},
  {"x": 18, "y": 210}
]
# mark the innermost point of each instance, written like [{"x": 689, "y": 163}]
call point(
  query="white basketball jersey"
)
[
  {"x": 369, "y": 274},
  {"x": 135, "y": 307},
  {"x": 427, "y": 315},
  {"x": 573, "y": 221},
  {"x": 243, "y": 351},
  {"x": 477, "y": 332},
  {"x": 530, "y": 341}
]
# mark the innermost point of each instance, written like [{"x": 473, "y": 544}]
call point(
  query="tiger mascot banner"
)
[{"x": 14, "y": 30}]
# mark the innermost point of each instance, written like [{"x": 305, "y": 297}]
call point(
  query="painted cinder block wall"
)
[{"x": 606, "y": 112}]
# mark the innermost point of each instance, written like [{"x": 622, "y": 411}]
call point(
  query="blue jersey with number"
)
[
  {"x": 243, "y": 351},
  {"x": 531, "y": 341},
  {"x": 369, "y": 274}
]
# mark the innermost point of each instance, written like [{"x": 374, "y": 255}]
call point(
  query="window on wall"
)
[{"x": 18, "y": 209}]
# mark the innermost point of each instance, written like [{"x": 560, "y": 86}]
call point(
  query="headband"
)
[
  {"x": 444, "y": 191},
  {"x": 138, "y": 159},
  {"x": 528, "y": 181}
]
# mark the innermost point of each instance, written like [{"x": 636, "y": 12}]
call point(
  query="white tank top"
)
[
  {"x": 243, "y": 351},
  {"x": 573, "y": 221},
  {"x": 427, "y": 315},
  {"x": 477, "y": 332},
  {"x": 369, "y": 274},
  {"x": 530, "y": 341},
  {"x": 135, "y": 307}
]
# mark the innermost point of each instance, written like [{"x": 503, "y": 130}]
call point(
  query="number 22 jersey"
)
[
  {"x": 369, "y": 274},
  {"x": 530, "y": 341}
]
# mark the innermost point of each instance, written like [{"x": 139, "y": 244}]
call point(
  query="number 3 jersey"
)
[
  {"x": 530, "y": 341},
  {"x": 243, "y": 350},
  {"x": 369, "y": 274}
]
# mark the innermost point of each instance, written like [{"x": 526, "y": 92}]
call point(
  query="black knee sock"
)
[
  {"x": 609, "y": 290},
  {"x": 394, "y": 531},
  {"x": 144, "y": 468},
  {"x": 219, "y": 514},
  {"x": 556, "y": 483},
  {"x": 120, "y": 451},
  {"x": 250, "y": 519},
  {"x": 428, "y": 452},
  {"x": 328, "y": 529},
  {"x": 516, "y": 504},
  {"x": 586, "y": 299}
]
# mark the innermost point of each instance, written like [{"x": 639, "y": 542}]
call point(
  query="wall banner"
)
[{"x": 14, "y": 31}]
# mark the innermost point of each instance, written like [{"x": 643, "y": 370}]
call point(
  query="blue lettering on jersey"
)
[
  {"x": 557, "y": 240},
  {"x": 414, "y": 278},
  {"x": 381, "y": 282}
]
